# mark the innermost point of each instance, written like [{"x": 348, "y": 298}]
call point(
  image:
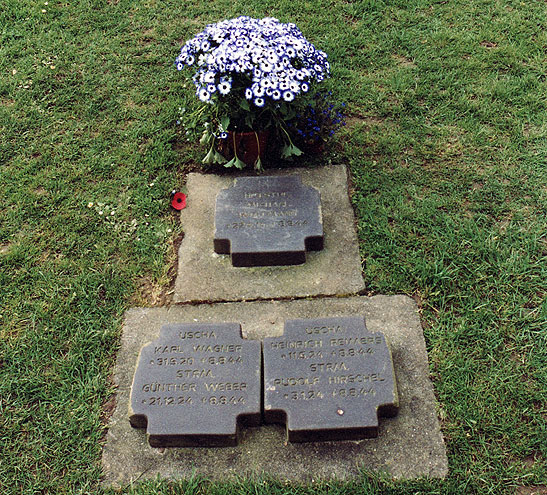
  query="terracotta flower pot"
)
[
  {"x": 249, "y": 146},
  {"x": 315, "y": 147}
]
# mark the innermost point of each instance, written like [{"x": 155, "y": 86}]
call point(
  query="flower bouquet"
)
[{"x": 255, "y": 77}]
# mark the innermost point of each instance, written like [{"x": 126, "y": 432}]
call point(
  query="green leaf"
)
[
  {"x": 213, "y": 157},
  {"x": 235, "y": 162},
  {"x": 209, "y": 157},
  {"x": 225, "y": 122},
  {"x": 231, "y": 163},
  {"x": 239, "y": 164},
  {"x": 220, "y": 159},
  {"x": 290, "y": 150},
  {"x": 206, "y": 137},
  {"x": 244, "y": 104}
]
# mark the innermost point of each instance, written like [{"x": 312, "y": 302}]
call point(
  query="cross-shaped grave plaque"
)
[
  {"x": 195, "y": 385},
  {"x": 268, "y": 221},
  {"x": 328, "y": 379}
]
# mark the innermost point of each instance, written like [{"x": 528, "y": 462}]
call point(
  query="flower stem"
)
[
  {"x": 257, "y": 143},
  {"x": 288, "y": 135},
  {"x": 235, "y": 147}
]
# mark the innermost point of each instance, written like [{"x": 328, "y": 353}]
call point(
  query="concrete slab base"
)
[
  {"x": 204, "y": 276},
  {"x": 408, "y": 446}
]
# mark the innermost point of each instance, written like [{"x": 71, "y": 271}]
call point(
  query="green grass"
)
[{"x": 447, "y": 145}]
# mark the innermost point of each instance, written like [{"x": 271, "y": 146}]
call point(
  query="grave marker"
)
[
  {"x": 328, "y": 379},
  {"x": 265, "y": 221},
  {"x": 195, "y": 385}
]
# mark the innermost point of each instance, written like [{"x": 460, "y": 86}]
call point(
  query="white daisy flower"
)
[{"x": 288, "y": 96}]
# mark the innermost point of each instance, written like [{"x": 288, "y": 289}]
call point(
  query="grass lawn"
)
[{"x": 447, "y": 146}]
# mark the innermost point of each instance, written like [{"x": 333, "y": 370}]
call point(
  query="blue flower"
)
[
  {"x": 224, "y": 87},
  {"x": 204, "y": 95},
  {"x": 272, "y": 57},
  {"x": 266, "y": 66},
  {"x": 258, "y": 90},
  {"x": 258, "y": 60},
  {"x": 288, "y": 96}
]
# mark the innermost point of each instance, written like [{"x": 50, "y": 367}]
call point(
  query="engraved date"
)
[
  {"x": 221, "y": 400},
  {"x": 304, "y": 395},
  {"x": 168, "y": 401}
]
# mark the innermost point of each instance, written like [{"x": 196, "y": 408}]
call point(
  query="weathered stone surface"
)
[
  {"x": 328, "y": 379},
  {"x": 204, "y": 275},
  {"x": 268, "y": 220},
  {"x": 408, "y": 446},
  {"x": 195, "y": 385}
]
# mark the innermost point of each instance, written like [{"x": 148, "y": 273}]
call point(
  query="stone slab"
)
[
  {"x": 409, "y": 445},
  {"x": 328, "y": 379},
  {"x": 196, "y": 384},
  {"x": 268, "y": 221},
  {"x": 204, "y": 276}
]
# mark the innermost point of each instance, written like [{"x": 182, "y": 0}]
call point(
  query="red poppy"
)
[{"x": 178, "y": 201}]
